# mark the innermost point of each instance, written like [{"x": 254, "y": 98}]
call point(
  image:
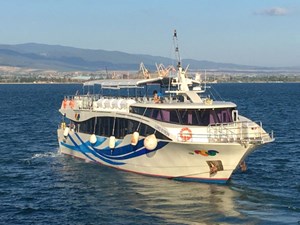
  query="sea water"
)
[{"x": 40, "y": 186}]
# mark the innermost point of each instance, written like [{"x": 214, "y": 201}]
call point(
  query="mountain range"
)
[{"x": 62, "y": 58}]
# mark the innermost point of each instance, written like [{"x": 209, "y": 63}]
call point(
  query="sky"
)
[{"x": 247, "y": 32}]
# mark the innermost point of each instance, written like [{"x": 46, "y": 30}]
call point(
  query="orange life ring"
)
[{"x": 186, "y": 134}]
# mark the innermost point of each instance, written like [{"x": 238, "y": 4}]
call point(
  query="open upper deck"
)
[{"x": 165, "y": 86}]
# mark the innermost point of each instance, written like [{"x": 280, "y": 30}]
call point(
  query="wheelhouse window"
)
[{"x": 199, "y": 117}]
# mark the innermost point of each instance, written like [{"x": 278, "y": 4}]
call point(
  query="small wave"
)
[
  {"x": 44, "y": 155},
  {"x": 40, "y": 157}
]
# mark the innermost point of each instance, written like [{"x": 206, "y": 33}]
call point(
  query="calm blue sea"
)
[{"x": 39, "y": 186}]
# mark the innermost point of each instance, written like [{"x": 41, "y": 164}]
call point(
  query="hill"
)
[{"x": 62, "y": 58}]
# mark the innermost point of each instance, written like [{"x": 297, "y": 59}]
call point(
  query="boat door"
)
[{"x": 235, "y": 115}]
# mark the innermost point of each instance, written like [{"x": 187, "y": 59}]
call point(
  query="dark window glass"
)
[
  {"x": 103, "y": 126},
  {"x": 174, "y": 116},
  {"x": 201, "y": 117}
]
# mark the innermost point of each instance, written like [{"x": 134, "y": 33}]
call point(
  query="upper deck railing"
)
[
  {"x": 85, "y": 102},
  {"x": 244, "y": 132}
]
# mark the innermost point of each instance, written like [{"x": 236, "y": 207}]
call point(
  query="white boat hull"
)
[{"x": 174, "y": 160}]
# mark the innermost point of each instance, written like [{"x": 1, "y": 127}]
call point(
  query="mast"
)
[
  {"x": 177, "y": 54},
  {"x": 182, "y": 81},
  {"x": 181, "y": 78}
]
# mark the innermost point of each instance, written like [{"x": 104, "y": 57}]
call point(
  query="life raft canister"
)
[
  {"x": 72, "y": 103},
  {"x": 186, "y": 134},
  {"x": 65, "y": 103}
]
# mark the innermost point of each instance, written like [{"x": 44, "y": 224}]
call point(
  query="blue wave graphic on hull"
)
[
  {"x": 110, "y": 155},
  {"x": 129, "y": 151},
  {"x": 84, "y": 149}
]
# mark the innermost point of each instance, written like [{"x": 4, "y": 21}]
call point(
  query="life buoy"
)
[{"x": 186, "y": 134}]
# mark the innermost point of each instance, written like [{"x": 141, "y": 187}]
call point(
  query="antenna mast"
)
[
  {"x": 182, "y": 81},
  {"x": 175, "y": 41}
]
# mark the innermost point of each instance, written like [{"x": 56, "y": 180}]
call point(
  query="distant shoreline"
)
[
  {"x": 255, "y": 82},
  {"x": 42, "y": 83}
]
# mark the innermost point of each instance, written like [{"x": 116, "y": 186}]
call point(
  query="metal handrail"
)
[
  {"x": 242, "y": 131},
  {"x": 236, "y": 132}
]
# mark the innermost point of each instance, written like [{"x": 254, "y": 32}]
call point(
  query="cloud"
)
[{"x": 275, "y": 11}]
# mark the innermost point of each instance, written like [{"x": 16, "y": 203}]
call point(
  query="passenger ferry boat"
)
[{"x": 161, "y": 126}]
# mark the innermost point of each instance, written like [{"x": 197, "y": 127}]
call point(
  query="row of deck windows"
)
[
  {"x": 118, "y": 127},
  {"x": 200, "y": 117}
]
